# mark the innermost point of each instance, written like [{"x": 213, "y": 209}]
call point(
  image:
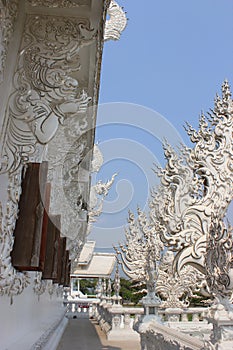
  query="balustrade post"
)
[
  {"x": 184, "y": 317},
  {"x": 127, "y": 321}
]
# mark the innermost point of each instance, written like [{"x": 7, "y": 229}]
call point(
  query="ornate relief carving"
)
[
  {"x": 98, "y": 192},
  {"x": 196, "y": 185},
  {"x": 117, "y": 22},
  {"x": 142, "y": 251},
  {"x": 66, "y": 152},
  {"x": 45, "y": 90},
  {"x": 39, "y": 284},
  {"x": 177, "y": 290},
  {"x": 8, "y": 14},
  {"x": 97, "y": 160},
  {"x": 11, "y": 281},
  {"x": 219, "y": 259},
  {"x": 54, "y": 3}
]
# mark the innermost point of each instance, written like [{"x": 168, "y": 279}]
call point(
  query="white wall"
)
[{"x": 27, "y": 319}]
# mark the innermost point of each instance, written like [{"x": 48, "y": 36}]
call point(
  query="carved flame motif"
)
[
  {"x": 196, "y": 185},
  {"x": 141, "y": 251},
  {"x": 97, "y": 194},
  {"x": 176, "y": 290}
]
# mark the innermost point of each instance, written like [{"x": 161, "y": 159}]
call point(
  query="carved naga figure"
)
[
  {"x": 197, "y": 185},
  {"x": 141, "y": 252}
]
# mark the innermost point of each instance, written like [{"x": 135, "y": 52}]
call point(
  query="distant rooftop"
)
[
  {"x": 101, "y": 265},
  {"x": 86, "y": 253}
]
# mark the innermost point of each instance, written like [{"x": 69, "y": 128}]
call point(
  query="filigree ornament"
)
[
  {"x": 40, "y": 285},
  {"x": 97, "y": 195},
  {"x": 97, "y": 160},
  {"x": 54, "y": 3},
  {"x": 177, "y": 290},
  {"x": 196, "y": 184},
  {"x": 142, "y": 251},
  {"x": 8, "y": 14},
  {"x": 12, "y": 282},
  {"x": 219, "y": 259},
  {"x": 117, "y": 22},
  {"x": 45, "y": 91}
]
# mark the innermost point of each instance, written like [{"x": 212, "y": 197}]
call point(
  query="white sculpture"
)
[
  {"x": 117, "y": 22},
  {"x": 97, "y": 195},
  {"x": 140, "y": 256},
  {"x": 196, "y": 185}
]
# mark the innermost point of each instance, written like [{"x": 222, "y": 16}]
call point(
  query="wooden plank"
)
[
  {"x": 61, "y": 260},
  {"x": 52, "y": 251},
  {"x": 68, "y": 269},
  {"x": 28, "y": 230},
  {"x": 45, "y": 226},
  {"x": 64, "y": 267}
]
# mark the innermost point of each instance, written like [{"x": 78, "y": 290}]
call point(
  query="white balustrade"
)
[{"x": 78, "y": 308}]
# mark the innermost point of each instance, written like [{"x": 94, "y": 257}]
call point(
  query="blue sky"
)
[{"x": 171, "y": 60}]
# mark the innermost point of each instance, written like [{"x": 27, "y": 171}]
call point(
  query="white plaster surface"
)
[{"x": 27, "y": 319}]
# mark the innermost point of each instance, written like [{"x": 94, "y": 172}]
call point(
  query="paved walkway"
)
[{"x": 85, "y": 334}]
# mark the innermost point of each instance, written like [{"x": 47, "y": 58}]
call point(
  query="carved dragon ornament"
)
[{"x": 196, "y": 185}]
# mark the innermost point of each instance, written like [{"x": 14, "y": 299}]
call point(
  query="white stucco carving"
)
[
  {"x": 196, "y": 185},
  {"x": 142, "y": 251},
  {"x": 117, "y": 22},
  {"x": 12, "y": 282},
  {"x": 97, "y": 160},
  {"x": 97, "y": 195},
  {"x": 8, "y": 14},
  {"x": 45, "y": 91},
  {"x": 54, "y": 3},
  {"x": 176, "y": 290}
]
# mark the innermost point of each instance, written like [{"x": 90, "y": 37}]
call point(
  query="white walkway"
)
[{"x": 85, "y": 334}]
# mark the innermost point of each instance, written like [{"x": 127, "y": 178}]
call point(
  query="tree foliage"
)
[{"x": 129, "y": 292}]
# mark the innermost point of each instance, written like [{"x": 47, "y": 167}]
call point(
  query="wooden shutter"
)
[
  {"x": 53, "y": 249},
  {"x": 26, "y": 253}
]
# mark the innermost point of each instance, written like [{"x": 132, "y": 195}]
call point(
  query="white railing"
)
[
  {"x": 158, "y": 336},
  {"x": 190, "y": 321},
  {"x": 116, "y": 320},
  {"x": 195, "y": 314},
  {"x": 78, "y": 308}
]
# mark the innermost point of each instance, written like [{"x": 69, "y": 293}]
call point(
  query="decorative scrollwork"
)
[
  {"x": 196, "y": 185},
  {"x": 46, "y": 92},
  {"x": 219, "y": 259},
  {"x": 11, "y": 281},
  {"x": 142, "y": 251},
  {"x": 8, "y": 14},
  {"x": 177, "y": 290},
  {"x": 39, "y": 285},
  {"x": 117, "y": 22},
  {"x": 54, "y": 3}
]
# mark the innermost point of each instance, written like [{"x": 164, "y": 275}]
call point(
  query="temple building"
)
[{"x": 50, "y": 63}]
